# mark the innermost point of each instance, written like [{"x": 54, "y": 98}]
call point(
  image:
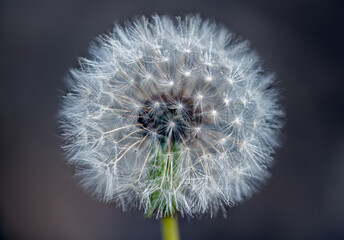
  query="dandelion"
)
[{"x": 171, "y": 116}]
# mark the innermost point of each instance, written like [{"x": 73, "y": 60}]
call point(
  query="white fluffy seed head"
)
[{"x": 171, "y": 115}]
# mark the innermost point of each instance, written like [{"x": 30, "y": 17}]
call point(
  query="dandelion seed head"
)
[{"x": 171, "y": 115}]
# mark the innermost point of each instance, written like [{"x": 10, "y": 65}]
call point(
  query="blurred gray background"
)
[{"x": 302, "y": 41}]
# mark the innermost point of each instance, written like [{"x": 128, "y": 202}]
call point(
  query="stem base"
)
[{"x": 169, "y": 228}]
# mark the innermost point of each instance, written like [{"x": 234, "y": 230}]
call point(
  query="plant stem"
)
[{"x": 169, "y": 228}]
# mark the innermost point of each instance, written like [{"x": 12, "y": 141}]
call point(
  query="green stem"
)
[{"x": 169, "y": 228}]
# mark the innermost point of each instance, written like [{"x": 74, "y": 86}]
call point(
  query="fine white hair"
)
[{"x": 171, "y": 115}]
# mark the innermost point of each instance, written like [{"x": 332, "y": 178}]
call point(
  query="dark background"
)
[{"x": 302, "y": 41}]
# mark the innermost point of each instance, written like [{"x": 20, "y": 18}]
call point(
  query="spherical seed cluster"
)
[{"x": 171, "y": 115}]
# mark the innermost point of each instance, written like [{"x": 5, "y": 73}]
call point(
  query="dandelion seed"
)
[
  {"x": 187, "y": 74},
  {"x": 171, "y": 116},
  {"x": 199, "y": 96},
  {"x": 209, "y": 78}
]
